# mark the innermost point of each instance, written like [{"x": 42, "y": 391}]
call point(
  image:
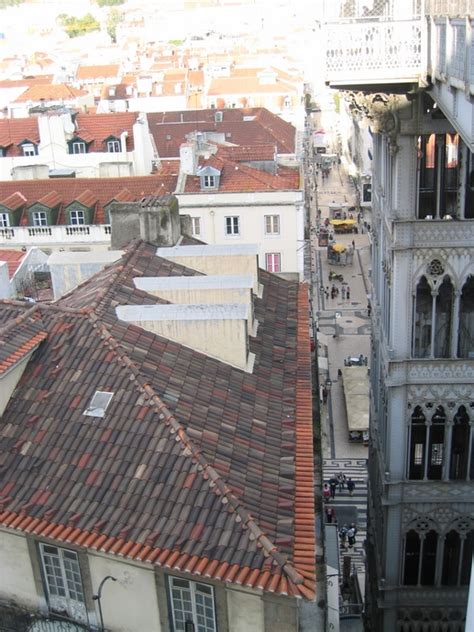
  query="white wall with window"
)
[
  {"x": 232, "y": 225},
  {"x": 272, "y": 219},
  {"x": 273, "y": 262},
  {"x": 113, "y": 146},
  {"x": 63, "y": 581},
  {"x": 193, "y": 605},
  {"x": 196, "y": 226}
]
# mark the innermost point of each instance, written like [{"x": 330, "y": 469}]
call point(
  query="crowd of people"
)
[{"x": 347, "y": 533}]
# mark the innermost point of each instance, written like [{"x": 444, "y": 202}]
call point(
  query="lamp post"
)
[{"x": 98, "y": 596}]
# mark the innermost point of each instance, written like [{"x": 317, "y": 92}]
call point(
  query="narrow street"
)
[{"x": 343, "y": 330}]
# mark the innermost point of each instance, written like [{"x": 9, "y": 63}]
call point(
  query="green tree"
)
[
  {"x": 109, "y": 3},
  {"x": 78, "y": 26},
  {"x": 113, "y": 20}
]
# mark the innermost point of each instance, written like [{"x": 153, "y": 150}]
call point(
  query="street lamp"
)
[{"x": 97, "y": 598}]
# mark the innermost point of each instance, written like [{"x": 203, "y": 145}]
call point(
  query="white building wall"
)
[
  {"x": 16, "y": 575},
  {"x": 246, "y": 612},
  {"x": 130, "y": 603},
  {"x": 251, "y": 208}
]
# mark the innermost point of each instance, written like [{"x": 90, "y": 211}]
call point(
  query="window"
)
[
  {"x": 433, "y": 338},
  {"x": 466, "y": 320},
  {"x": 420, "y": 558},
  {"x": 232, "y": 225},
  {"x": 196, "y": 226},
  {"x": 427, "y": 445},
  {"x": 453, "y": 550},
  {"x": 78, "y": 147},
  {"x": 29, "y": 149},
  {"x": 192, "y": 604},
  {"x": 273, "y": 262},
  {"x": 272, "y": 224},
  {"x": 63, "y": 582},
  {"x": 98, "y": 404},
  {"x": 77, "y": 217},
  {"x": 209, "y": 182},
  {"x": 438, "y": 166},
  {"x": 113, "y": 146},
  {"x": 40, "y": 218},
  {"x": 441, "y": 446},
  {"x": 4, "y": 220}
]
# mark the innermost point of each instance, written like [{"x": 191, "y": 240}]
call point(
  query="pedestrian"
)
[
  {"x": 351, "y": 537},
  {"x": 329, "y": 514},
  {"x": 369, "y": 309},
  {"x": 348, "y": 292},
  {"x": 353, "y": 244},
  {"x": 350, "y": 485},
  {"x": 326, "y": 292},
  {"x": 325, "y": 394},
  {"x": 343, "y": 292},
  {"x": 341, "y": 480},
  {"x": 333, "y": 487},
  {"x": 326, "y": 493},
  {"x": 343, "y": 536}
]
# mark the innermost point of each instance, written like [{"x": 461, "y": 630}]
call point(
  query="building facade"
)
[{"x": 414, "y": 81}]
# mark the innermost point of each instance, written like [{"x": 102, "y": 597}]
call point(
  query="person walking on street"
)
[
  {"x": 350, "y": 485},
  {"x": 326, "y": 493},
  {"x": 351, "y": 537},
  {"x": 348, "y": 292},
  {"x": 343, "y": 536},
  {"x": 333, "y": 487},
  {"x": 343, "y": 292},
  {"x": 341, "y": 481},
  {"x": 329, "y": 514}
]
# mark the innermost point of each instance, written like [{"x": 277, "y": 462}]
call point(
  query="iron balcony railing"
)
[{"x": 16, "y": 619}]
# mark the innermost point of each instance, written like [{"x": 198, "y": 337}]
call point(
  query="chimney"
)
[
  {"x": 188, "y": 158},
  {"x": 219, "y": 331},
  {"x": 202, "y": 290},
  {"x": 154, "y": 219},
  {"x": 240, "y": 259},
  {"x": 5, "y": 291}
]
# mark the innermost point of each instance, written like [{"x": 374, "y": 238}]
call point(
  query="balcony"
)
[
  {"x": 375, "y": 52},
  {"x": 55, "y": 236}
]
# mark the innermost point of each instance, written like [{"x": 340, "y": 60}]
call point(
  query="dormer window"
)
[
  {"x": 77, "y": 146},
  {"x": 209, "y": 178},
  {"x": 29, "y": 149},
  {"x": 113, "y": 146},
  {"x": 218, "y": 117}
]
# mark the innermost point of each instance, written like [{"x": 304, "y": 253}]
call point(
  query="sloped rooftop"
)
[{"x": 195, "y": 465}]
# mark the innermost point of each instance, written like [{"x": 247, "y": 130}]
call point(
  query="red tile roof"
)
[
  {"x": 51, "y": 199},
  {"x": 238, "y": 177},
  {"x": 248, "y": 153},
  {"x": 104, "y": 71},
  {"x": 248, "y": 86},
  {"x": 14, "y": 201},
  {"x": 20, "y": 337},
  {"x": 14, "y": 131},
  {"x": 104, "y": 190},
  {"x": 246, "y": 126},
  {"x": 50, "y": 92},
  {"x": 96, "y": 128},
  {"x": 13, "y": 259},
  {"x": 196, "y": 465}
]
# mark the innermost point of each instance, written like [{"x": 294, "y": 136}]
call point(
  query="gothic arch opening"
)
[{"x": 466, "y": 320}]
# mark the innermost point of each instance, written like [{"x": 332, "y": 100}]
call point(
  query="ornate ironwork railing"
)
[
  {"x": 375, "y": 51},
  {"x": 15, "y": 619}
]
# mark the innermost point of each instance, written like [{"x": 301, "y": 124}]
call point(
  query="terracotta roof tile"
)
[
  {"x": 97, "y": 128},
  {"x": 104, "y": 71},
  {"x": 201, "y": 428},
  {"x": 104, "y": 190},
  {"x": 246, "y": 126},
  {"x": 14, "y": 131},
  {"x": 240, "y": 177},
  {"x": 50, "y": 92},
  {"x": 13, "y": 259}
]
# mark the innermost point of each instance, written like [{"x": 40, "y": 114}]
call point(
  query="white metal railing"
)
[
  {"x": 375, "y": 51},
  {"x": 55, "y": 235}
]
